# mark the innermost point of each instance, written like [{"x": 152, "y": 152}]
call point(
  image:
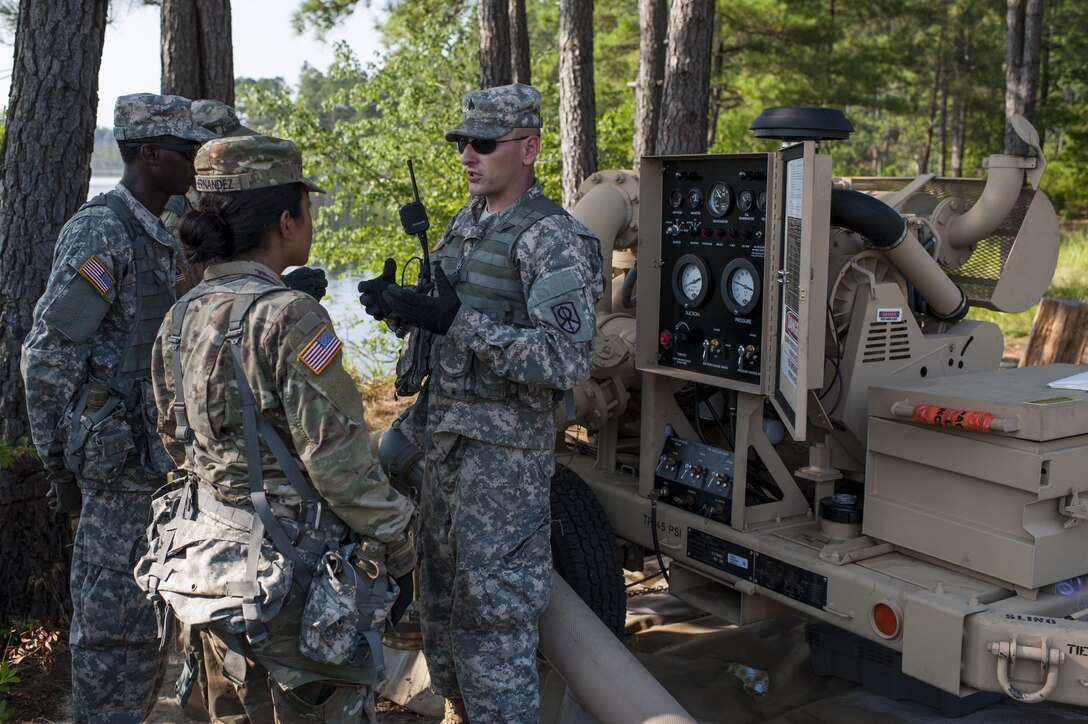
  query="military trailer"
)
[{"x": 789, "y": 403}]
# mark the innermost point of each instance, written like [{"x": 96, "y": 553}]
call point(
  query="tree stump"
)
[{"x": 1058, "y": 334}]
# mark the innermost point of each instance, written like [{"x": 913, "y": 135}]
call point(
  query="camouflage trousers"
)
[
  {"x": 117, "y": 666},
  {"x": 485, "y": 573},
  {"x": 278, "y": 684}
]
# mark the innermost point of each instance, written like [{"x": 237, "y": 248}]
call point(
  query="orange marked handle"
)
[{"x": 950, "y": 417}]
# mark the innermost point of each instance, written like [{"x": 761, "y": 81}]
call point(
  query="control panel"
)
[
  {"x": 713, "y": 231},
  {"x": 697, "y": 478}
]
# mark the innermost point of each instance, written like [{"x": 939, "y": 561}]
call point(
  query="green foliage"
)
[
  {"x": 10, "y": 454},
  {"x": 8, "y": 677},
  {"x": 322, "y": 15}
]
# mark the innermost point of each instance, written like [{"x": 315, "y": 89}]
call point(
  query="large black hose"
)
[{"x": 868, "y": 216}]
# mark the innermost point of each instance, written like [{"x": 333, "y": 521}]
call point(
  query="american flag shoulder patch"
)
[
  {"x": 321, "y": 349},
  {"x": 94, "y": 272},
  {"x": 179, "y": 275}
]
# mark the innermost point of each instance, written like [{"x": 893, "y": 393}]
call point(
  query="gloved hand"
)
[
  {"x": 311, "y": 281},
  {"x": 371, "y": 291},
  {"x": 434, "y": 314},
  {"x": 404, "y": 599},
  {"x": 64, "y": 495},
  {"x": 400, "y": 553}
]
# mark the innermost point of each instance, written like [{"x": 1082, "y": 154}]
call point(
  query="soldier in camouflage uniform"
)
[
  {"x": 222, "y": 120},
  {"x": 86, "y": 365},
  {"x": 252, "y": 221},
  {"x": 509, "y": 329}
]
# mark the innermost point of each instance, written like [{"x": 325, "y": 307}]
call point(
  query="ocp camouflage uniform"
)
[
  {"x": 486, "y": 423},
  {"x": 320, "y": 412}
]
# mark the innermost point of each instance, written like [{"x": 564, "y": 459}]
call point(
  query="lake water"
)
[{"x": 369, "y": 347}]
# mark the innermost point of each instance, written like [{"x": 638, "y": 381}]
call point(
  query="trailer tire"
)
[{"x": 584, "y": 549}]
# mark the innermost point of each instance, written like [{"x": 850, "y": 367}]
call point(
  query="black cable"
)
[
  {"x": 717, "y": 420},
  {"x": 650, "y": 577},
  {"x": 698, "y": 417},
  {"x": 657, "y": 543}
]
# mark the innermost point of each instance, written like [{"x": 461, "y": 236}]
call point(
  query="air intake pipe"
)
[{"x": 887, "y": 230}]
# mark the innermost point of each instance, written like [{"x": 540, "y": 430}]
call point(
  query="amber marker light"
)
[{"x": 885, "y": 620}]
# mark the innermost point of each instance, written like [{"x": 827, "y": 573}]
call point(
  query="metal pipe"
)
[
  {"x": 887, "y": 230},
  {"x": 606, "y": 210},
  {"x": 1004, "y": 181},
  {"x": 607, "y": 678}
]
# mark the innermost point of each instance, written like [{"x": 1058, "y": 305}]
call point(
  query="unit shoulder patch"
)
[
  {"x": 567, "y": 318},
  {"x": 320, "y": 350},
  {"x": 96, "y": 273}
]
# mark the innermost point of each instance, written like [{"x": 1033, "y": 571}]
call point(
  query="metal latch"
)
[
  {"x": 1076, "y": 511},
  {"x": 1049, "y": 660}
]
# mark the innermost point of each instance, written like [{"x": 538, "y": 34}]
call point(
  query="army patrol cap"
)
[
  {"x": 494, "y": 112},
  {"x": 146, "y": 115},
  {"x": 240, "y": 163},
  {"x": 219, "y": 118}
]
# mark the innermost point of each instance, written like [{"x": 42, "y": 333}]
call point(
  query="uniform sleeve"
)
[
  {"x": 88, "y": 268},
  {"x": 325, "y": 416},
  {"x": 561, "y": 272},
  {"x": 163, "y": 384}
]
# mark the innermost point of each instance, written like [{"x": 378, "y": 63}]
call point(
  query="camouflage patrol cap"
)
[
  {"x": 240, "y": 163},
  {"x": 494, "y": 112},
  {"x": 146, "y": 115},
  {"x": 219, "y": 118}
]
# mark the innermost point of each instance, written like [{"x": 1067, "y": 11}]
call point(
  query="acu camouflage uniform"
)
[
  {"x": 528, "y": 279},
  {"x": 312, "y": 403},
  {"x": 112, "y": 279}
]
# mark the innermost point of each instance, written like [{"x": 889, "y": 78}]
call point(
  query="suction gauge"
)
[
  {"x": 740, "y": 287},
  {"x": 695, "y": 199},
  {"x": 719, "y": 200},
  {"x": 745, "y": 199},
  {"x": 690, "y": 281}
]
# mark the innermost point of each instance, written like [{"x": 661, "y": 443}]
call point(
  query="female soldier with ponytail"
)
[{"x": 278, "y": 550}]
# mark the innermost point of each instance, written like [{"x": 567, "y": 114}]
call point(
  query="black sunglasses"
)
[
  {"x": 483, "y": 146},
  {"x": 185, "y": 149}
]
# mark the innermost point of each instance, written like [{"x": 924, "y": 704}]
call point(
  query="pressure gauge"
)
[
  {"x": 761, "y": 200},
  {"x": 690, "y": 281},
  {"x": 719, "y": 200},
  {"x": 676, "y": 198},
  {"x": 740, "y": 287},
  {"x": 745, "y": 199},
  {"x": 695, "y": 199}
]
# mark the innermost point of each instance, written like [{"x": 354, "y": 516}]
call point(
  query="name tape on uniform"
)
[{"x": 319, "y": 352}]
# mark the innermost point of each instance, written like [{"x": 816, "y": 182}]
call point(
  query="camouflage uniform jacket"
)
[
  {"x": 544, "y": 354},
  {"x": 318, "y": 413},
  {"x": 81, "y": 328}
]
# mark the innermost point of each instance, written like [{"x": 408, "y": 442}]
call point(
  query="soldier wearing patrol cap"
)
[
  {"x": 280, "y": 637},
  {"x": 86, "y": 364},
  {"x": 222, "y": 120},
  {"x": 508, "y": 331}
]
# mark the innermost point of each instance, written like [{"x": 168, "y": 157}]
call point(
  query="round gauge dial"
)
[
  {"x": 719, "y": 200},
  {"x": 761, "y": 200},
  {"x": 745, "y": 199},
  {"x": 695, "y": 199},
  {"x": 741, "y": 287},
  {"x": 690, "y": 281},
  {"x": 676, "y": 198}
]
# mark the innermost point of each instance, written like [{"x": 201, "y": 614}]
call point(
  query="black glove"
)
[
  {"x": 64, "y": 495},
  {"x": 371, "y": 291},
  {"x": 434, "y": 314},
  {"x": 404, "y": 600},
  {"x": 311, "y": 281}
]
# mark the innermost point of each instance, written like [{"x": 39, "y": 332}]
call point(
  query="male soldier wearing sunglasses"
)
[
  {"x": 509, "y": 329},
  {"x": 87, "y": 367}
]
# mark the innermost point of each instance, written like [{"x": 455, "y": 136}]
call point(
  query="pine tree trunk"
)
[
  {"x": 519, "y": 42},
  {"x": 684, "y": 97},
  {"x": 197, "y": 51},
  {"x": 577, "y": 104},
  {"x": 1023, "y": 43},
  {"x": 494, "y": 21},
  {"x": 652, "y": 19},
  {"x": 44, "y": 177},
  {"x": 935, "y": 94}
]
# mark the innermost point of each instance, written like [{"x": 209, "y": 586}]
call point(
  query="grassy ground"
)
[{"x": 1070, "y": 282}]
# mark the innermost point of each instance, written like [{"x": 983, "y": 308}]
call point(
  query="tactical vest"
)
[
  {"x": 487, "y": 281},
  {"x": 154, "y": 292}
]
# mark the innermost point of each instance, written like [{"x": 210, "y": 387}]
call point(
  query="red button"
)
[{"x": 666, "y": 339}]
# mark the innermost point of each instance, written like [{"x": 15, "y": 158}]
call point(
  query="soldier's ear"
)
[{"x": 531, "y": 149}]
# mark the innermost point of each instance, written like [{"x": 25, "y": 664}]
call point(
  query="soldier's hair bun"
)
[{"x": 224, "y": 225}]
